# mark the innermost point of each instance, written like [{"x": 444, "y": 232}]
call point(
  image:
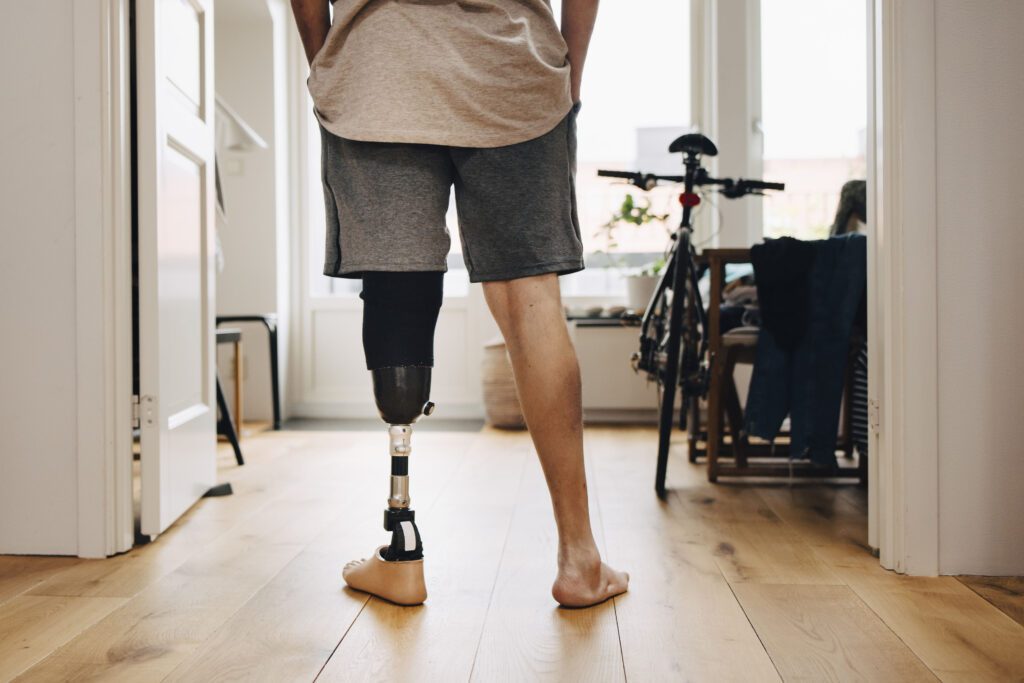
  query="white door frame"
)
[
  {"x": 103, "y": 276},
  {"x": 902, "y": 285},
  {"x": 902, "y": 296},
  {"x": 904, "y": 349}
]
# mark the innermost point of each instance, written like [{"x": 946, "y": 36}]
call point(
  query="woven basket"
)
[{"x": 501, "y": 403}]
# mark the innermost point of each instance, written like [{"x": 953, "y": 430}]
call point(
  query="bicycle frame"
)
[
  {"x": 687, "y": 342},
  {"x": 685, "y": 228},
  {"x": 682, "y": 271}
]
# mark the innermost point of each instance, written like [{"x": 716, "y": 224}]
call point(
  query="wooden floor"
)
[{"x": 729, "y": 582}]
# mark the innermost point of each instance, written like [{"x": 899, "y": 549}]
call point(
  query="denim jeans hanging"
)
[{"x": 807, "y": 382}]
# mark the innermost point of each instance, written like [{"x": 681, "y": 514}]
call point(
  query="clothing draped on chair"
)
[{"x": 809, "y": 293}]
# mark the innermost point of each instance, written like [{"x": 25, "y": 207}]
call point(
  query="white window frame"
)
[{"x": 725, "y": 68}]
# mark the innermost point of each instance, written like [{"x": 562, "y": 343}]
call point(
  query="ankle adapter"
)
[{"x": 406, "y": 543}]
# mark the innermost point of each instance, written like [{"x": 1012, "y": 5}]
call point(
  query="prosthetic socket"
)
[{"x": 399, "y": 317}]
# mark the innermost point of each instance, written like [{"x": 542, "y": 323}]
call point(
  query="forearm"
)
[
  {"x": 578, "y": 18},
  {"x": 313, "y": 19}
]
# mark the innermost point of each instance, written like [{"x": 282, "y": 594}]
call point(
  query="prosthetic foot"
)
[
  {"x": 395, "y": 571},
  {"x": 399, "y": 315},
  {"x": 397, "y": 581}
]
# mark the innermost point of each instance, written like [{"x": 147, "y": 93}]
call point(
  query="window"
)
[
  {"x": 814, "y": 85},
  {"x": 636, "y": 100}
]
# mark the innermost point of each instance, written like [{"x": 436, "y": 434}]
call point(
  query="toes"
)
[
  {"x": 351, "y": 566},
  {"x": 619, "y": 584}
]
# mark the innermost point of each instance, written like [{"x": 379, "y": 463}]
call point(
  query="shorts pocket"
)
[
  {"x": 571, "y": 135},
  {"x": 571, "y": 148}
]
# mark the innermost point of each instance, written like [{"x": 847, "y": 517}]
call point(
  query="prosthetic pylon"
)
[
  {"x": 399, "y": 316},
  {"x": 402, "y": 395}
]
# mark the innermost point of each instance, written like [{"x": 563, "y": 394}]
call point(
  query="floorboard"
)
[
  {"x": 1005, "y": 592},
  {"x": 731, "y": 582},
  {"x": 21, "y": 573},
  {"x": 956, "y": 633},
  {"x": 160, "y": 627},
  {"x": 680, "y": 619},
  {"x": 825, "y": 633},
  {"x": 526, "y": 637},
  {"x": 32, "y": 625},
  {"x": 463, "y": 537},
  {"x": 290, "y": 627}
]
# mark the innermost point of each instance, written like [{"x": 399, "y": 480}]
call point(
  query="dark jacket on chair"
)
[{"x": 810, "y": 293}]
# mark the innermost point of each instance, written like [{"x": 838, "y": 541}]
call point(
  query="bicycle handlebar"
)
[
  {"x": 761, "y": 185},
  {"x": 645, "y": 181},
  {"x": 618, "y": 174},
  {"x": 730, "y": 188}
]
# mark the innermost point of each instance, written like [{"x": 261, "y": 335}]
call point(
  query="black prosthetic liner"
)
[{"x": 399, "y": 316}]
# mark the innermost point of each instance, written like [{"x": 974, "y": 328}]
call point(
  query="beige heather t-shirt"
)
[{"x": 465, "y": 73}]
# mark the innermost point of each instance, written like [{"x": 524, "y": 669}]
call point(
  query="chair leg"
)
[
  {"x": 714, "y": 438},
  {"x": 694, "y": 432},
  {"x": 735, "y": 413},
  {"x": 225, "y": 427},
  {"x": 238, "y": 385},
  {"x": 847, "y": 404},
  {"x": 274, "y": 386}
]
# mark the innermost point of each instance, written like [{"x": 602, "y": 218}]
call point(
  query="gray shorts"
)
[{"x": 386, "y": 205}]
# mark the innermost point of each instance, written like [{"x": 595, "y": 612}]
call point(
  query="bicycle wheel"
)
[{"x": 673, "y": 350}]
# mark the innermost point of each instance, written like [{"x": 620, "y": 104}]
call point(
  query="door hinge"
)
[
  {"x": 140, "y": 403},
  {"x": 874, "y": 414}
]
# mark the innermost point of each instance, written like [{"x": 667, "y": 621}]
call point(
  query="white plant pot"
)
[{"x": 639, "y": 289}]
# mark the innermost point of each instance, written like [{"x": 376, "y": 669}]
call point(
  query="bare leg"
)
[{"x": 529, "y": 312}]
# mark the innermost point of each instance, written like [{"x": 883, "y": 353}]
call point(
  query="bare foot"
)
[
  {"x": 586, "y": 581},
  {"x": 399, "y": 582}
]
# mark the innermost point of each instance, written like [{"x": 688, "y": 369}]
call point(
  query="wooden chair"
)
[{"x": 725, "y": 444}]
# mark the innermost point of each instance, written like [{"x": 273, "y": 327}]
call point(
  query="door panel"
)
[
  {"x": 175, "y": 250},
  {"x": 182, "y": 313},
  {"x": 183, "y": 56}
]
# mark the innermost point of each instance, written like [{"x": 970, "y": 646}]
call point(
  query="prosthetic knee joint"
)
[{"x": 399, "y": 316}]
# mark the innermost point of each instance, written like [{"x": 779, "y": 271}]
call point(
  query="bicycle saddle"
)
[{"x": 694, "y": 143}]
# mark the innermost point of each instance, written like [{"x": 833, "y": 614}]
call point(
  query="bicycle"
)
[{"x": 673, "y": 350}]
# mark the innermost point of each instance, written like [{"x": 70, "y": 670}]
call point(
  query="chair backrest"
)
[{"x": 717, "y": 260}]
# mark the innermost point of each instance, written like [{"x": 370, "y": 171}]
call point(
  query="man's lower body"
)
[{"x": 386, "y": 206}]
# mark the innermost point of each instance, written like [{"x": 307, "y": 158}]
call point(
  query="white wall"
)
[
  {"x": 980, "y": 149},
  {"x": 38, "y": 409},
  {"x": 250, "y": 76}
]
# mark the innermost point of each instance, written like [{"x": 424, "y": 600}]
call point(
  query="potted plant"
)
[{"x": 641, "y": 284}]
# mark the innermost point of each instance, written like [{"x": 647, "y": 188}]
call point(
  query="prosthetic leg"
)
[{"x": 399, "y": 316}]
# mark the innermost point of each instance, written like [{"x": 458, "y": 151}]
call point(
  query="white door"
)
[{"x": 175, "y": 165}]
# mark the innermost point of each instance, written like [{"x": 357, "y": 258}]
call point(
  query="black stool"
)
[{"x": 269, "y": 321}]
